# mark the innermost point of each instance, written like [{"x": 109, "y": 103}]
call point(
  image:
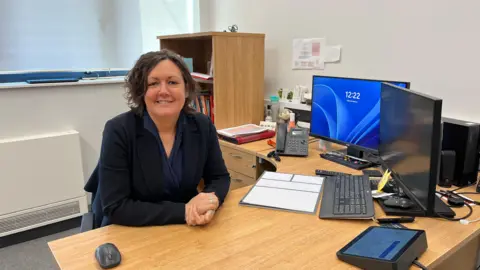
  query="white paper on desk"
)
[
  {"x": 308, "y": 53},
  {"x": 277, "y": 176},
  {"x": 308, "y": 179},
  {"x": 282, "y": 198},
  {"x": 333, "y": 53},
  {"x": 380, "y": 194},
  {"x": 288, "y": 185}
]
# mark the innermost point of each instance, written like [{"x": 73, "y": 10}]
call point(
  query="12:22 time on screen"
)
[{"x": 352, "y": 95}]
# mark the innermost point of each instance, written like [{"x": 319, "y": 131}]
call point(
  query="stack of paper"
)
[
  {"x": 285, "y": 191},
  {"x": 247, "y": 129}
]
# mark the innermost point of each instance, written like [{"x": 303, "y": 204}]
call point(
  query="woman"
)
[{"x": 153, "y": 157}]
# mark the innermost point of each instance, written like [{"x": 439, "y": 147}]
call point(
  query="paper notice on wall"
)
[
  {"x": 308, "y": 53},
  {"x": 313, "y": 53},
  {"x": 333, "y": 53}
]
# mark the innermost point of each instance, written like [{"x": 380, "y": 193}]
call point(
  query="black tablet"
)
[{"x": 384, "y": 245}]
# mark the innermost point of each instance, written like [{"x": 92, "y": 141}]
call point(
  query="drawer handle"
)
[
  {"x": 236, "y": 156},
  {"x": 237, "y": 180}
]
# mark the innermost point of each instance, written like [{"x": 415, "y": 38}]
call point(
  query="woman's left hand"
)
[
  {"x": 205, "y": 202},
  {"x": 202, "y": 209}
]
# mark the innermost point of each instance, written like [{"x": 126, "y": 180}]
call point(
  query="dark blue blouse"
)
[{"x": 171, "y": 166}]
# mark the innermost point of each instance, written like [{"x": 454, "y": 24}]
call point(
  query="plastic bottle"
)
[
  {"x": 275, "y": 106},
  {"x": 268, "y": 118}
]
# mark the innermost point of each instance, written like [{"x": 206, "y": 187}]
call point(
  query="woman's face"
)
[{"x": 165, "y": 94}]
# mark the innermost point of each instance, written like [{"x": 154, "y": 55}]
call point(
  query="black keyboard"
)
[
  {"x": 347, "y": 196},
  {"x": 329, "y": 173}
]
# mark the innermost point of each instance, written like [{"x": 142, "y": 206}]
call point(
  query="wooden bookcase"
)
[{"x": 238, "y": 72}]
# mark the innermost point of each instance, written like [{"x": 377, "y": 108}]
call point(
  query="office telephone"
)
[{"x": 293, "y": 143}]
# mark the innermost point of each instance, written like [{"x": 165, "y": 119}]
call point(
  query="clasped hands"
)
[{"x": 201, "y": 209}]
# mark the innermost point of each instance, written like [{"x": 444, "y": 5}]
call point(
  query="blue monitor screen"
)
[
  {"x": 381, "y": 243},
  {"x": 347, "y": 110}
]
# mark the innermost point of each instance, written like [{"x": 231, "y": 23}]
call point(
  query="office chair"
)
[
  {"x": 88, "y": 219},
  {"x": 87, "y": 222}
]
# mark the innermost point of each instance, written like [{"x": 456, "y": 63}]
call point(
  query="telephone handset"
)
[{"x": 293, "y": 143}]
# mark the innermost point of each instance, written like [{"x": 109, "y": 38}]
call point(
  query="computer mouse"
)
[
  {"x": 108, "y": 256},
  {"x": 397, "y": 202}
]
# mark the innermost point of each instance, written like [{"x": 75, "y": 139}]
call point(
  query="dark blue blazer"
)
[{"x": 127, "y": 185}]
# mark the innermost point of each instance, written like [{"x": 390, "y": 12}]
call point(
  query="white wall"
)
[
  {"x": 127, "y": 30},
  {"x": 76, "y": 34},
  {"x": 164, "y": 17},
  {"x": 432, "y": 43},
  {"x": 50, "y": 34},
  {"x": 40, "y": 110}
]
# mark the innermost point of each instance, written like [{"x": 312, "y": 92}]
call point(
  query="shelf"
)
[
  {"x": 207, "y": 35},
  {"x": 203, "y": 81},
  {"x": 292, "y": 105}
]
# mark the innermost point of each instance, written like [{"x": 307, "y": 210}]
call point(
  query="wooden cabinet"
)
[
  {"x": 238, "y": 72},
  {"x": 242, "y": 167},
  {"x": 240, "y": 162},
  {"x": 239, "y": 180}
]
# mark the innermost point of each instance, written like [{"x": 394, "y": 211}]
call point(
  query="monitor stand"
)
[
  {"x": 416, "y": 211},
  {"x": 354, "y": 152}
]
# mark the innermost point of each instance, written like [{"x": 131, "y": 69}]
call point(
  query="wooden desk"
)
[{"x": 243, "y": 237}]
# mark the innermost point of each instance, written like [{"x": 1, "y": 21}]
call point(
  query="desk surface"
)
[{"x": 247, "y": 237}]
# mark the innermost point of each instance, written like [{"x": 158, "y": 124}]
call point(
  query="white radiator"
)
[{"x": 41, "y": 181}]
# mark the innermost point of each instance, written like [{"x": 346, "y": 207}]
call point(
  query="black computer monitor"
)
[
  {"x": 410, "y": 142},
  {"x": 347, "y": 111}
]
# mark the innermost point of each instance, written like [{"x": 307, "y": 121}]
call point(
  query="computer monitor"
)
[
  {"x": 410, "y": 142},
  {"x": 347, "y": 111}
]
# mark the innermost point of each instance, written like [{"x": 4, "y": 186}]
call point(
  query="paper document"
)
[
  {"x": 277, "y": 176},
  {"x": 333, "y": 53},
  {"x": 308, "y": 53},
  {"x": 313, "y": 53},
  {"x": 308, "y": 179},
  {"x": 241, "y": 130},
  {"x": 282, "y": 198},
  {"x": 285, "y": 191},
  {"x": 288, "y": 185},
  {"x": 380, "y": 194}
]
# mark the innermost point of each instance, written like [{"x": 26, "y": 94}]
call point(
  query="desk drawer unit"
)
[
  {"x": 240, "y": 162},
  {"x": 239, "y": 180}
]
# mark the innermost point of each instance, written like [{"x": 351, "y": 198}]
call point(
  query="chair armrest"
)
[{"x": 87, "y": 222}]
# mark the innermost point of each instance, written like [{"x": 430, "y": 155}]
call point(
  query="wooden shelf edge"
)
[
  {"x": 211, "y": 34},
  {"x": 203, "y": 81}
]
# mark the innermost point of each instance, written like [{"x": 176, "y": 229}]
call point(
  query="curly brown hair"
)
[{"x": 136, "y": 81}]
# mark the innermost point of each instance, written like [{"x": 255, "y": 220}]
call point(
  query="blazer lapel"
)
[
  {"x": 191, "y": 140},
  {"x": 150, "y": 159}
]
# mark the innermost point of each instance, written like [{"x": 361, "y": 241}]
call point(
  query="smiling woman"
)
[
  {"x": 152, "y": 77},
  {"x": 154, "y": 156}
]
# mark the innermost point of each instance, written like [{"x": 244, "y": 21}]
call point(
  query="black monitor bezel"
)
[
  {"x": 355, "y": 146},
  {"x": 435, "y": 150}
]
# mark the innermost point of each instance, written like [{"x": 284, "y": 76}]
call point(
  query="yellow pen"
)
[{"x": 383, "y": 182}]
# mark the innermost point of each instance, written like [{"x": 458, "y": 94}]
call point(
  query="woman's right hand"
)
[{"x": 201, "y": 209}]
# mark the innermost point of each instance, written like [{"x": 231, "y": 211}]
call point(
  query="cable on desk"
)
[
  {"x": 456, "y": 219},
  {"x": 466, "y": 222},
  {"x": 476, "y": 193},
  {"x": 465, "y": 193},
  {"x": 463, "y": 187},
  {"x": 421, "y": 266}
]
